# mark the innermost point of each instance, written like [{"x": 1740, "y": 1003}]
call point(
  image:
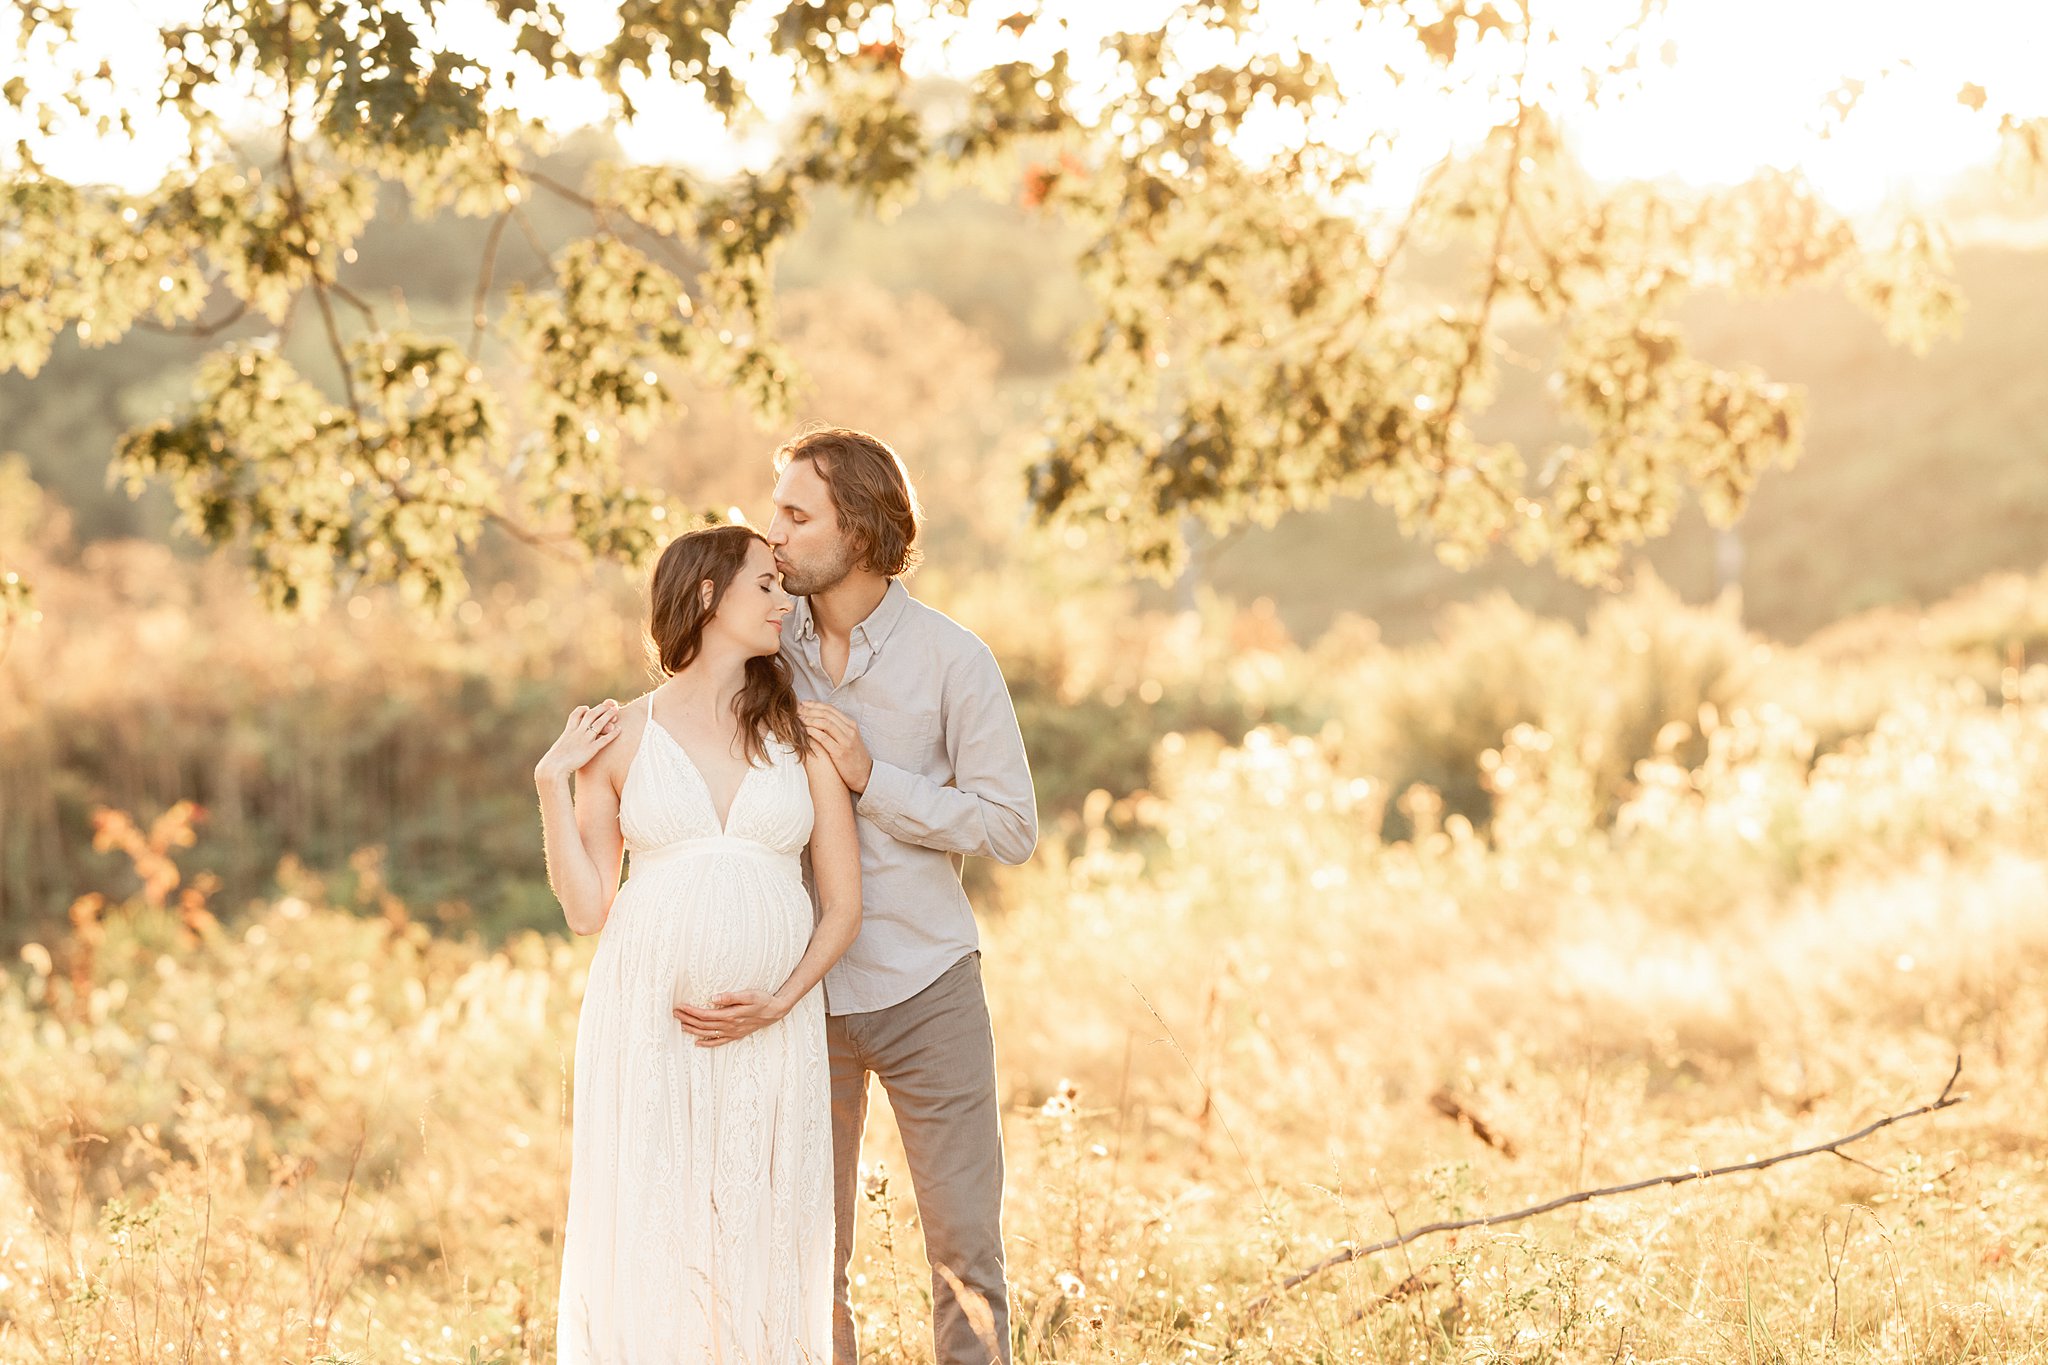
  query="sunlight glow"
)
[
  {"x": 1752, "y": 80},
  {"x": 1730, "y": 86}
]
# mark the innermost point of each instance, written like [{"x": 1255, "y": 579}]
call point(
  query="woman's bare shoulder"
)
[{"x": 615, "y": 759}]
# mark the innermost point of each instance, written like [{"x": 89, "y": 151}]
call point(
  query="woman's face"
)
[{"x": 752, "y": 610}]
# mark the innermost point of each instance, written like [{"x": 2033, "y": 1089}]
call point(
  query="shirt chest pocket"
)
[{"x": 905, "y": 739}]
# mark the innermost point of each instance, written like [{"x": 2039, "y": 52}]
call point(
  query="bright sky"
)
[
  {"x": 1752, "y": 77},
  {"x": 1747, "y": 87}
]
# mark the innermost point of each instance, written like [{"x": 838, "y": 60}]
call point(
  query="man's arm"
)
[{"x": 990, "y": 810}]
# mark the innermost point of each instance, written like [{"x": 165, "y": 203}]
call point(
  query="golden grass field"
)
[{"x": 1229, "y": 1022}]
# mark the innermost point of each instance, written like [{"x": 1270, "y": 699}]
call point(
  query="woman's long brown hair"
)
[{"x": 677, "y": 614}]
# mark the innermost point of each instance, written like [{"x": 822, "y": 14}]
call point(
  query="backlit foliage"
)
[{"x": 1260, "y": 341}]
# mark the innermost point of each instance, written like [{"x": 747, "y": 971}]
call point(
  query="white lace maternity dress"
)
[{"x": 700, "y": 1196}]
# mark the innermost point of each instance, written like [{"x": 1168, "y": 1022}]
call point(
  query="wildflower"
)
[{"x": 1062, "y": 1102}]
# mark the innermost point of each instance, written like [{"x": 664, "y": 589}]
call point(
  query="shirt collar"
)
[{"x": 874, "y": 628}]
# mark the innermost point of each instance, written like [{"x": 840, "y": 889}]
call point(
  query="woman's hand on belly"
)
[{"x": 730, "y": 1017}]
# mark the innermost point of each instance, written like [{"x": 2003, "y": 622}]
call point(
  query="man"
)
[{"x": 913, "y": 712}]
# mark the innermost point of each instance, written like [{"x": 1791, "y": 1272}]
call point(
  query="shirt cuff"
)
[{"x": 887, "y": 792}]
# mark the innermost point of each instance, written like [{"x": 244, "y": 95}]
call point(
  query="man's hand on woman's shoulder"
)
[{"x": 840, "y": 738}]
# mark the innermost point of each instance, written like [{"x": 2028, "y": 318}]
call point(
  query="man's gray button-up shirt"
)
[{"x": 950, "y": 779}]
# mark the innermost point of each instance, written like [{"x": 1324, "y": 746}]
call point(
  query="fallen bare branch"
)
[
  {"x": 1344, "y": 1255},
  {"x": 1408, "y": 1288},
  {"x": 1454, "y": 1109}
]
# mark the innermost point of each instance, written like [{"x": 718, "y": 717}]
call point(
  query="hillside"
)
[{"x": 1920, "y": 475}]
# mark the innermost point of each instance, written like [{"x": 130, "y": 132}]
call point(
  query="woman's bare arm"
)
[
  {"x": 835, "y": 870},
  {"x": 579, "y": 811}
]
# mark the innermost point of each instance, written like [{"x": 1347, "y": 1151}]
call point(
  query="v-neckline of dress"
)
[{"x": 704, "y": 783}]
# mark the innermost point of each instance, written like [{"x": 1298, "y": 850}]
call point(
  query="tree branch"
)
[
  {"x": 1552, "y": 262},
  {"x": 483, "y": 283},
  {"x": 532, "y": 236},
  {"x": 353, "y": 300},
  {"x": 1408, "y": 1288},
  {"x": 1423, "y": 190},
  {"x": 334, "y": 343},
  {"x": 1496, "y": 266},
  {"x": 599, "y": 215},
  {"x": 558, "y": 546},
  {"x": 1495, "y": 262},
  {"x": 1344, "y": 1255},
  {"x": 574, "y": 196},
  {"x": 296, "y": 204},
  {"x": 198, "y": 329}
]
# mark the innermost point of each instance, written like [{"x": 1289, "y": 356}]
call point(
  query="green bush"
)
[{"x": 1609, "y": 697}]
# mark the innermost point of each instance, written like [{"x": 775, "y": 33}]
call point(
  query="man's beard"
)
[{"x": 806, "y": 579}]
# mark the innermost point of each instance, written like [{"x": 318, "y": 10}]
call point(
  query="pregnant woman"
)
[{"x": 700, "y": 1193}]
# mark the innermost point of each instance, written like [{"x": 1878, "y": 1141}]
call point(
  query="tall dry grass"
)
[{"x": 1229, "y": 1018}]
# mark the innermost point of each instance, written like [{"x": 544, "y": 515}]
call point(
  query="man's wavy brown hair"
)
[
  {"x": 677, "y": 614},
  {"x": 871, "y": 490}
]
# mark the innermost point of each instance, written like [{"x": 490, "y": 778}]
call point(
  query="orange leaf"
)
[{"x": 1038, "y": 182}]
